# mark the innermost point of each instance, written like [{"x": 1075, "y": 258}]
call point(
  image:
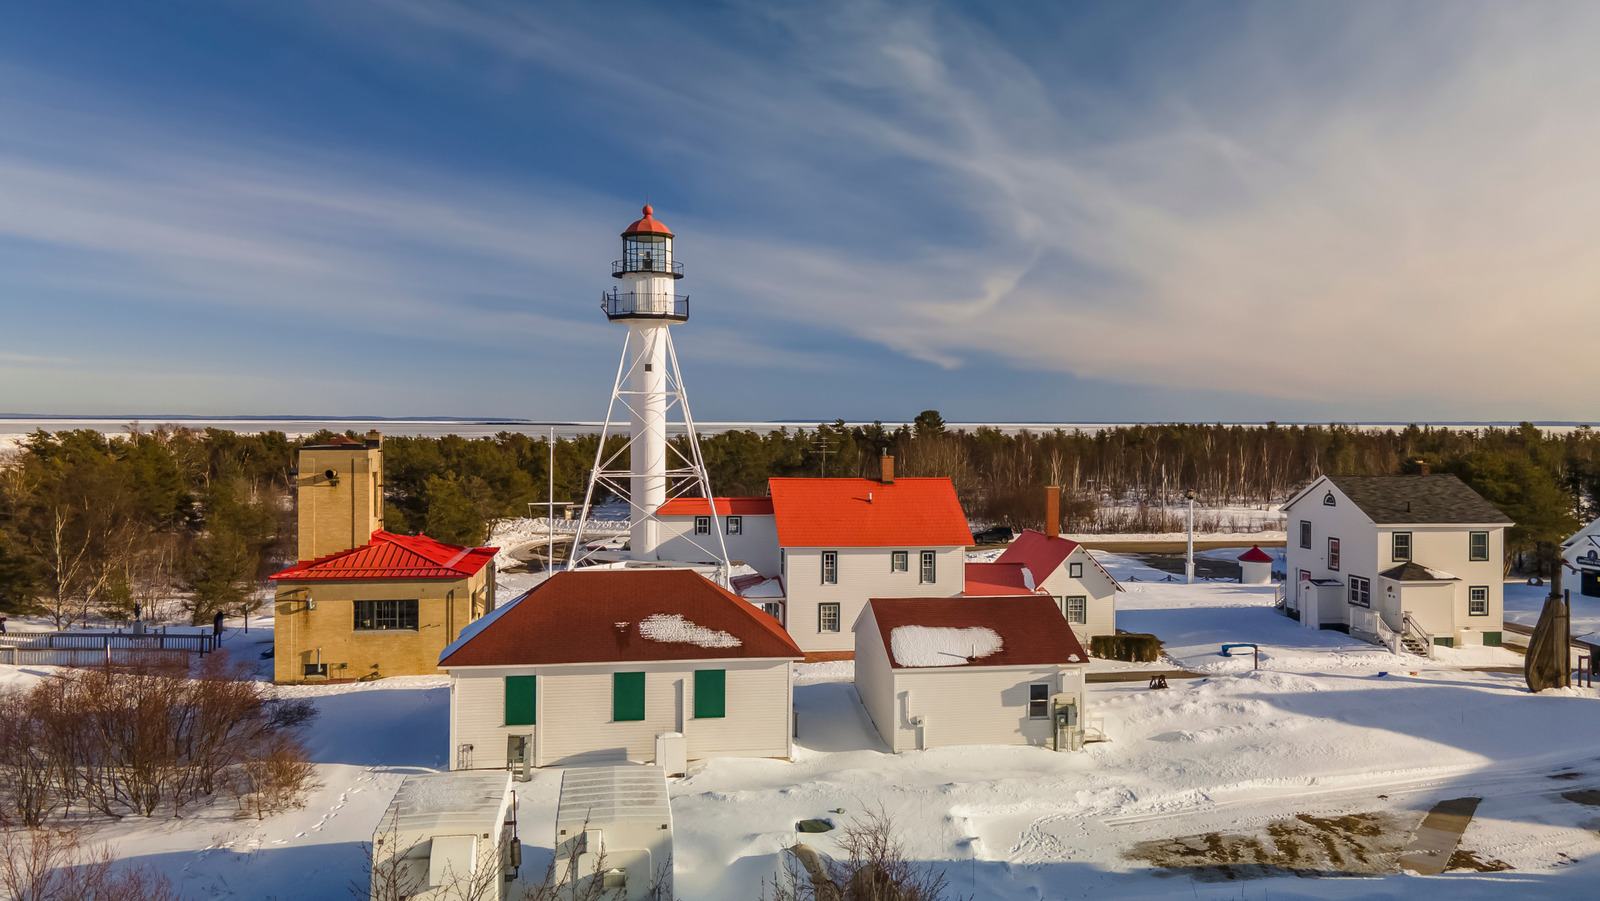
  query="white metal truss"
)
[{"x": 682, "y": 480}]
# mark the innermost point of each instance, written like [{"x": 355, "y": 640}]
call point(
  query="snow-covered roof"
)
[
  {"x": 461, "y": 802},
  {"x": 941, "y": 646},
  {"x": 673, "y": 627},
  {"x": 1416, "y": 572},
  {"x": 600, "y": 796}
]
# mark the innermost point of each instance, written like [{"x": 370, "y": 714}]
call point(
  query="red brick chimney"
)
[
  {"x": 1423, "y": 468},
  {"x": 1052, "y": 511},
  {"x": 888, "y": 469}
]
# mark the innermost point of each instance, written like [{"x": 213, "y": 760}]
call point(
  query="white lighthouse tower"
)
[{"x": 648, "y": 389}]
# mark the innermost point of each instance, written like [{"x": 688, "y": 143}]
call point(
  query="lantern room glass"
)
[{"x": 647, "y": 253}]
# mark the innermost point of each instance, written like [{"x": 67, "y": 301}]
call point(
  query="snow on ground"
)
[
  {"x": 1316, "y": 731},
  {"x": 1524, "y": 602}
]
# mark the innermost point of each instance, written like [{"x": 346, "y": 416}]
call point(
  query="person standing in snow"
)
[{"x": 216, "y": 625}]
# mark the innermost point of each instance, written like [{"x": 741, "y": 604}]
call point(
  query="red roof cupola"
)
[
  {"x": 649, "y": 225},
  {"x": 1255, "y": 555}
]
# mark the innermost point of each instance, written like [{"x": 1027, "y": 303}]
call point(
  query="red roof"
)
[
  {"x": 989, "y": 579},
  {"x": 919, "y": 512},
  {"x": 1043, "y": 555},
  {"x": 391, "y": 556},
  {"x": 1032, "y": 630},
  {"x": 649, "y": 225},
  {"x": 737, "y": 506},
  {"x": 1255, "y": 555},
  {"x": 605, "y": 617}
]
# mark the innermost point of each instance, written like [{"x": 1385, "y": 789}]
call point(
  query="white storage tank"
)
[
  {"x": 447, "y": 837},
  {"x": 1255, "y": 566},
  {"x": 614, "y": 824}
]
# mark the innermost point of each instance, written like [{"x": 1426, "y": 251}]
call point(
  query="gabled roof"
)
[
  {"x": 391, "y": 556},
  {"x": 1255, "y": 555},
  {"x": 1043, "y": 554},
  {"x": 1031, "y": 630},
  {"x": 736, "y": 506},
  {"x": 1412, "y": 500},
  {"x": 1416, "y": 572},
  {"x": 991, "y": 579},
  {"x": 623, "y": 616},
  {"x": 905, "y": 513}
]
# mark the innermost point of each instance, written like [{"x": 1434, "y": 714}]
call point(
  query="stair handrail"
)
[
  {"x": 1387, "y": 636},
  {"x": 1414, "y": 630}
]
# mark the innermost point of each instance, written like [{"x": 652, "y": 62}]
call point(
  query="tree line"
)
[{"x": 181, "y": 521}]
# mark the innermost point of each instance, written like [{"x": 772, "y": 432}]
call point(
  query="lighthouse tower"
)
[{"x": 648, "y": 390}]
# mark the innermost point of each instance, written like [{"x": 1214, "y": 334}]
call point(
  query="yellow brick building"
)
[{"x": 363, "y": 602}]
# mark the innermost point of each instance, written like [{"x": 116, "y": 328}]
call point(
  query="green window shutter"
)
[
  {"x": 627, "y": 697},
  {"x": 710, "y": 694},
  {"x": 522, "y": 695}
]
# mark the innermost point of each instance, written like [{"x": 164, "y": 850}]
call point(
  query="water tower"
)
[{"x": 648, "y": 391}]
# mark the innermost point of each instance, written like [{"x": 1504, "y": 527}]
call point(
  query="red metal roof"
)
[
  {"x": 737, "y": 506},
  {"x": 391, "y": 556},
  {"x": 649, "y": 225},
  {"x": 989, "y": 579},
  {"x": 1032, "y": 630},
  {"x": 1043, "y": 555},
  {"x": 920, "y": 512},
  {"x": 595, "y": 617},
  {"x": 1255, "y": 555}
]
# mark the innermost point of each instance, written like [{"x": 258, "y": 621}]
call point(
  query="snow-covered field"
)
[{"x": 1328, "y": 727}]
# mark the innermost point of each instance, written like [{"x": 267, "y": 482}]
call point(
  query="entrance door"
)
[
  {"x": 1308, "y": 602},
  {"x": 518, "y": 749}
]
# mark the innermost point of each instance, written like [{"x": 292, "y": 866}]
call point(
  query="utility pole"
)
[{"x": 822, "y": 448}]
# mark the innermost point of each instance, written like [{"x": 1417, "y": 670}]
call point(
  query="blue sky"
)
[{"x": 1119, "y": 211}]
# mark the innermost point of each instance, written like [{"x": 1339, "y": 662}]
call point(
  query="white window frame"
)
[
  {"x": 735, "y": 525},
  {"x": 1078, "y": 616},
  {"x": 823, "y": 611},
  {"x": 1360, "y": 592},
  {"x": 1394, "y": 547},
  {"x": 928, "y": 568},
  {"x": 1041, "y": 704},
  {"x": 702, "y": 525},
  {"x": 899, "y": 561},
  {"x": 1484, "y": 600},
  {"x": 830, "y": 567}
]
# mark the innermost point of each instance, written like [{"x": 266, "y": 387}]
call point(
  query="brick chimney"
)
[
  {"x": 1423, "y": 468},
  {"x": 887, "y": 477},
  {"x": 1052, "y": 511}
]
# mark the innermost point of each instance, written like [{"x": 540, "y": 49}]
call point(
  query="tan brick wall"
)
[
  {"x": 443, "y": 608},
  {"x": 340, "y": 513}
]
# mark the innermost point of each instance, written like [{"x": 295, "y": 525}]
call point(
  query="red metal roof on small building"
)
[
  {"x": 1255, "y": 555},
  {"x": 1043, "y": 555},
  {"x": 736, "y": 506},
  {"x": 649, "y": 225},
  {"x": 391, "y": 556},
  {"x": 1032, "y": 630},
  {"x": 908, "y": 513},
  {"x": 989, "y": 579},
  {"x": 596, "y": 616}
]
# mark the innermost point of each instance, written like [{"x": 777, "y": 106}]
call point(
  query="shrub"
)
[{"x": 1135, "y": 648}]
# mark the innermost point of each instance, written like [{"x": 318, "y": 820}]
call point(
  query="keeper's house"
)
[
  {"x": 1581, "y": 553},
  {"x": 934, "y": 672},
  {"x": 591, "y": 666},
  {"x": 1416, "y": 556},
  {"x": 1047, "y": 564},
  {"x": 363, "y": 602}
]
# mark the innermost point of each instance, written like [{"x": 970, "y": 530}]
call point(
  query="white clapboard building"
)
[
  {"x": 593, "y": 666},
  {"x": 935, "y": 672},
  {"x": 1044, "y": 563}
]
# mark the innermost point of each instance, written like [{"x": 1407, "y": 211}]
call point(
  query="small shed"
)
[
  {"x": 447, "y": 837},
  {"x": 1255, "y": 566},
  {"x": 936, "y": 672},
  {"x": 614, "y": 824}
]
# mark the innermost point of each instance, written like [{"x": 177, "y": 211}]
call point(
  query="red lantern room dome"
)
[{"x": 649, "y": 225}]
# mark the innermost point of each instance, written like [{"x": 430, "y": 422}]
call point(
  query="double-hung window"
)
[
  {"x": 386, "y": 616},
  {"x": 1039, "y": 700},
  {"x": 1305, "y": 533},
  {"x": 827, "y": 617},
  {"x": 1402, "y": 547},
  {"x": 735, "y": 525},
  {"x": 1478, "y": 600},
  {"x": 1477, "y": 545},
  {"x": 1360, "y": 592},
  {"x": 1333, "y": 553},
  {"x": 1076, "y": 607},
  {"x": 900, "y": 561},
  {"x": 702, "y": 525},
  {"x": 928, "y": 561},
  {"x": 830, "y": 567}
]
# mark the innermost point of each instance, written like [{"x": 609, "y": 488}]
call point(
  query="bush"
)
[{"x": 1135, "y": 648}]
